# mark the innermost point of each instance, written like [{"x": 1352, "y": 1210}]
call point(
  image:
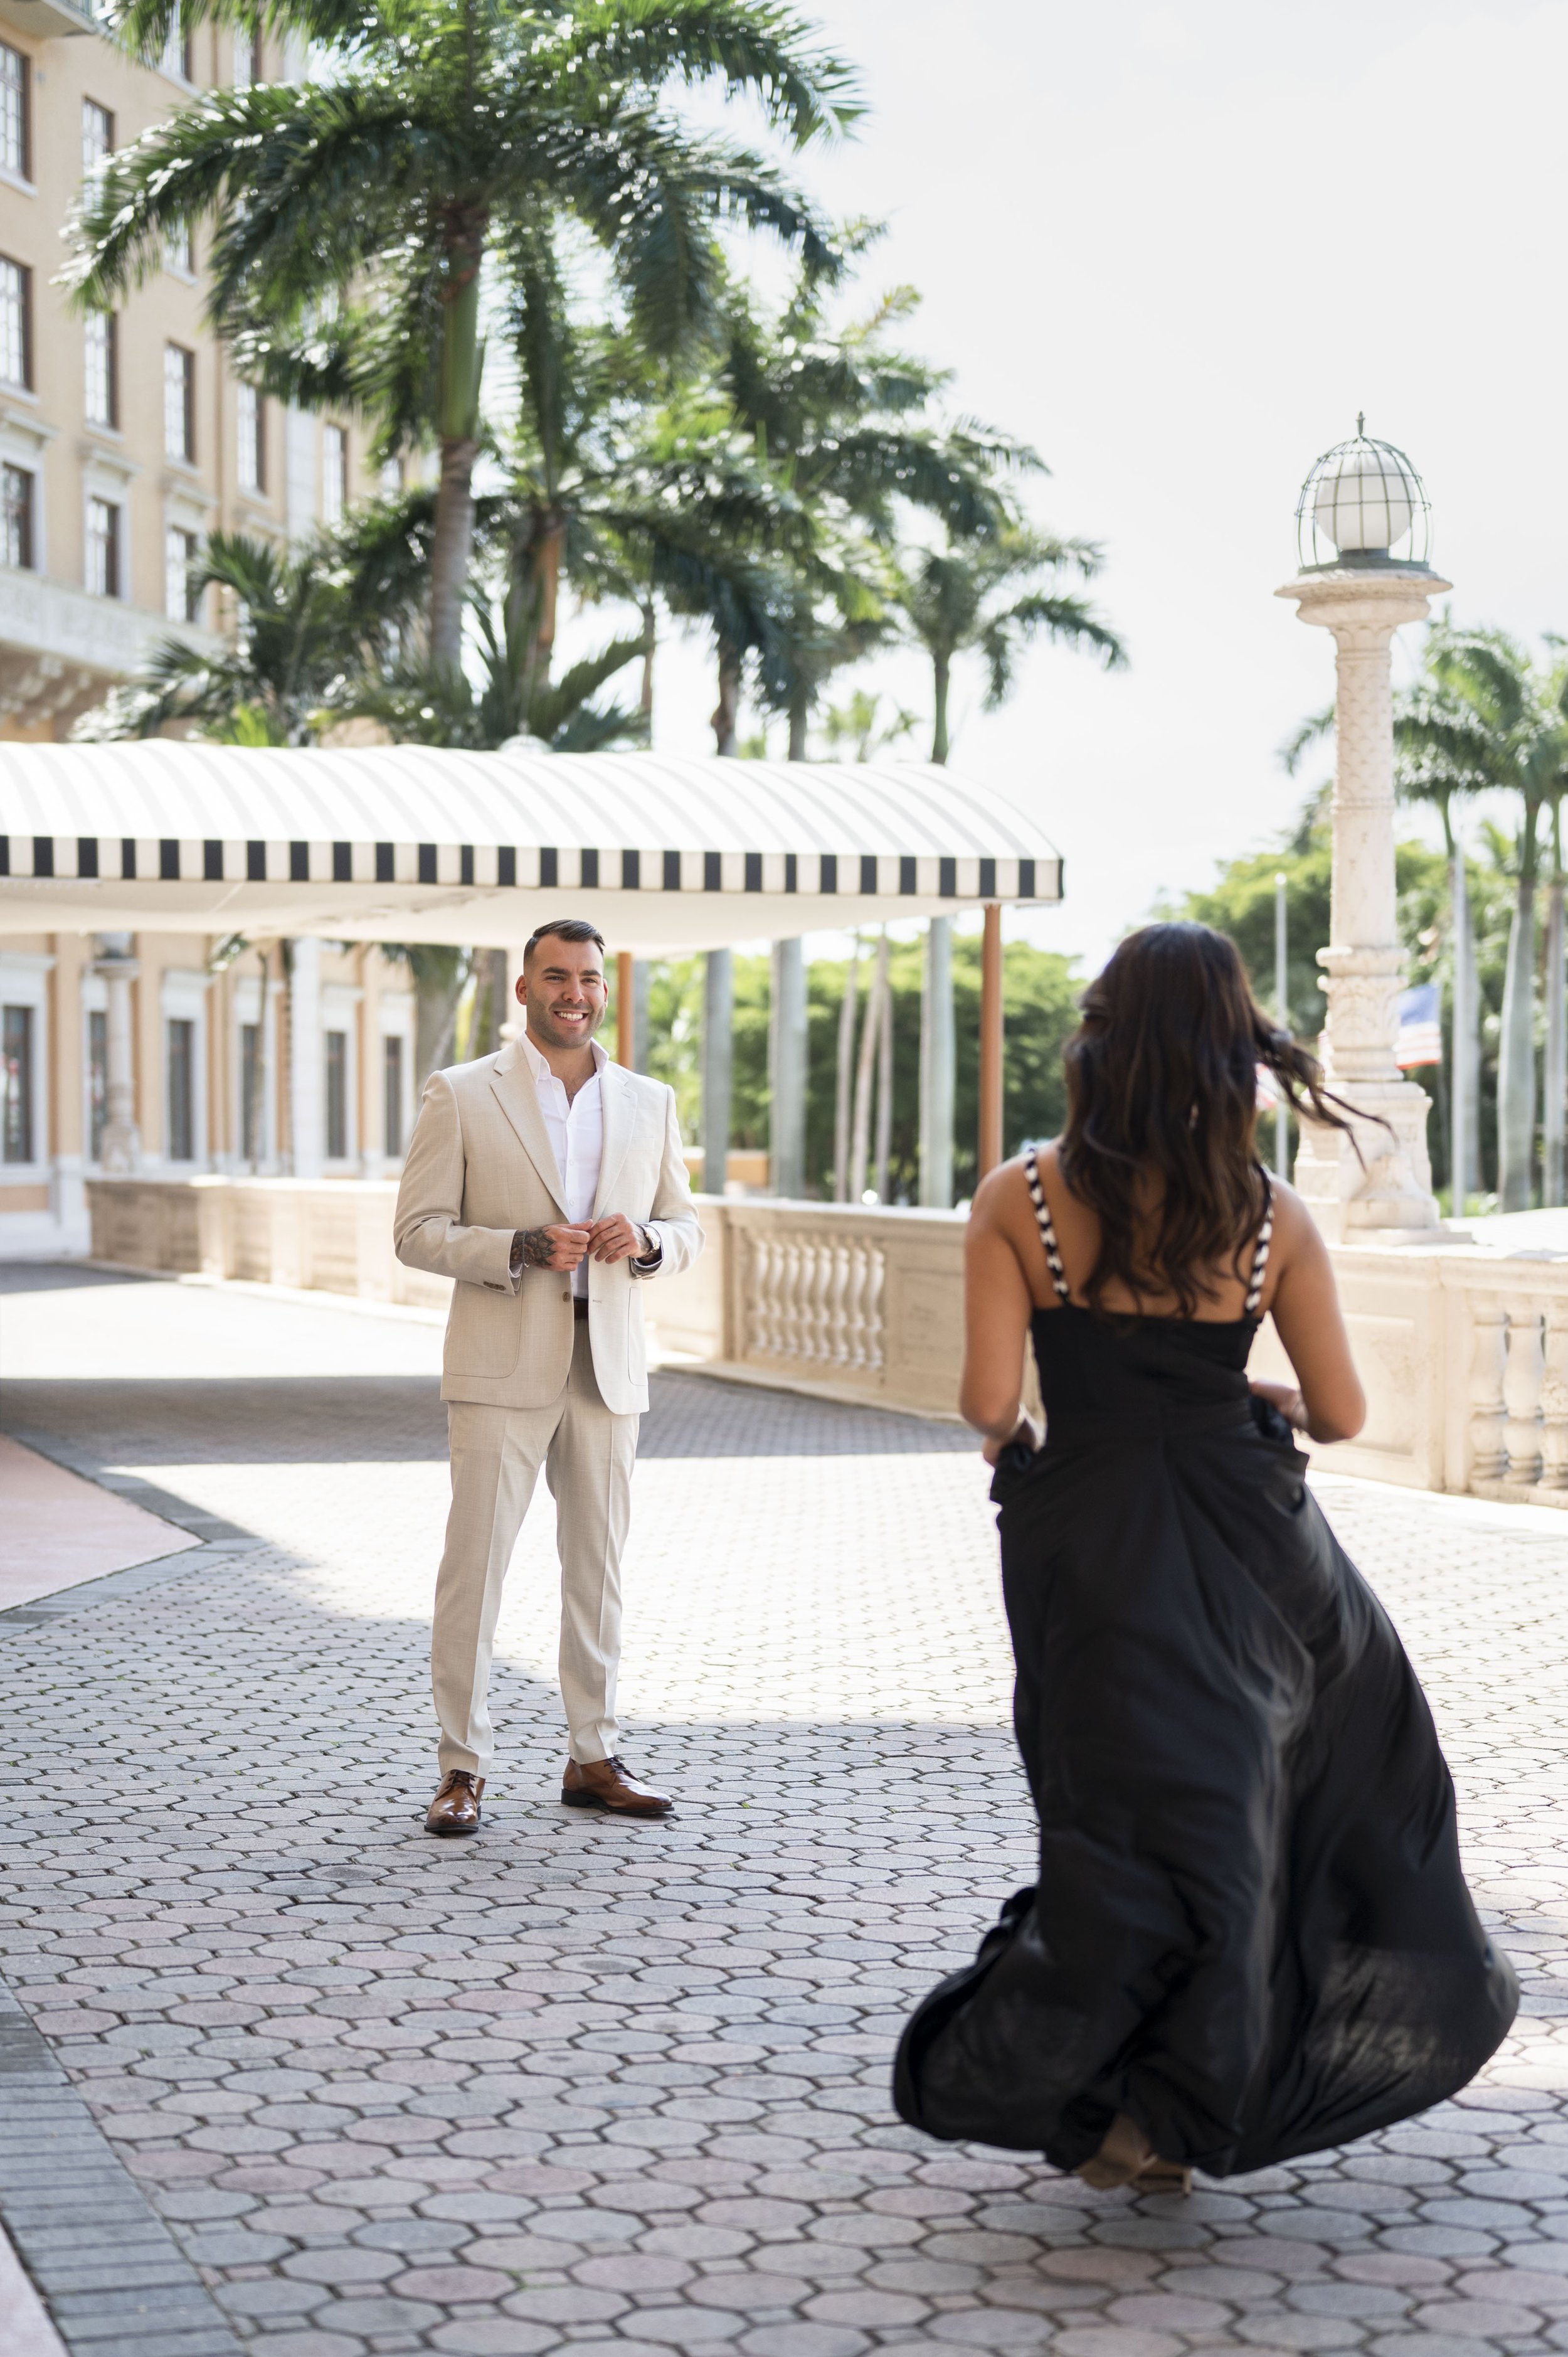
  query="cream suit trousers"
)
[{"x": 587, "y": 1455}]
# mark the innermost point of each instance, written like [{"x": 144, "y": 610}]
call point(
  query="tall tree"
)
[
  {"x": 1485, "y": 719},
  {"x": 305, "y": 620},
  {"x": 994, "y": 596},
  {"x": 854, "y": 426},
  {"x": 355, "y": 213}
]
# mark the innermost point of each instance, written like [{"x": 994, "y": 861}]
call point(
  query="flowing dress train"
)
[{"x": 1250, "y": 1931}]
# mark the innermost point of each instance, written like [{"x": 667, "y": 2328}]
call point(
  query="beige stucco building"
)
[
  {"x": 125, "y": 439},
  {"x": 123, "y": 442}
]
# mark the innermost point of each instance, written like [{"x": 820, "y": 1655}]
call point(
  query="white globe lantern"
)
[{"x": 1361, "y": 500}]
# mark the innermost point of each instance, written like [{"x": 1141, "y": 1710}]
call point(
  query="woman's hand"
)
[
  {"x": 1286, "y": 1398},
  {"x": 1026, "y": 1432}
]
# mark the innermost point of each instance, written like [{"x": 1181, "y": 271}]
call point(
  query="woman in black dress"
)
[{"x": 1250, "y": 1936}]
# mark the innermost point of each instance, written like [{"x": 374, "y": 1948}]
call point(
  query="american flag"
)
[{"x": 1420, "y": 1037}]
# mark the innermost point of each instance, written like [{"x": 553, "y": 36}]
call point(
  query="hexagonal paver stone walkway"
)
[{"x": 293, "y": 2077}]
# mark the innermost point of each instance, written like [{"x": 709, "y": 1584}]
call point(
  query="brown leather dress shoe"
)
[
  {"x": 455, "y": 1808},
  {"x": 610, "y": 1784}
]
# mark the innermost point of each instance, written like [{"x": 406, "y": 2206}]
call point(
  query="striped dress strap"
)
[
  {"x": 1261, "y": 1254},
  {"x": 1043, "y": 1221}
]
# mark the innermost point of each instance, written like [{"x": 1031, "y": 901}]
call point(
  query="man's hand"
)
[
  {"x": 558, "y": 1248},
  {"x": 615, "y": 1237}
]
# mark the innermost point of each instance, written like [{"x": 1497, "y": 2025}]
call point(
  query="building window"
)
[
  {"x": 97, "y": 136},
  {"x": 334, "y": 473},
  {"x": 336, "y": 1096},
  {"x": 253, "y": 439},
  {"x": 16, "y": 517},
  {"x": 391, "y": 1095},
  {"x": 101, "y": 348},
  {"x": 181, "y": 1054},
  {"x": 15, "y": 126},
  {"x": 16, "y": 323},
  {"x": 180, "y": 250},
  {"x": 103, "y": 548},
  {"x": 179, "y": 403},
  {"x": 250, "y": 1091},
  {"x": 97, "y": 1082},
  {"x": 16, "y": 1079},
  {"x": 182, "y": 599},
  {"x": 176, "y": 58},
  {"x": 248, "y": 69}
]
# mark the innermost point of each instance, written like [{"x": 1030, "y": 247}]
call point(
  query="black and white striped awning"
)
[{"x": 418, "y": 843}]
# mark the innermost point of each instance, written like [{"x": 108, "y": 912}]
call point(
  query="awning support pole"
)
[
  {"x": 626, "y": 1010},
  {"x": 936, "y": 1064},
  {"x": 991, "y": 1040}
]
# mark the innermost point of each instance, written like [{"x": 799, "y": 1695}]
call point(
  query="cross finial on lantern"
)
[{"x": 1360, "y": 424}]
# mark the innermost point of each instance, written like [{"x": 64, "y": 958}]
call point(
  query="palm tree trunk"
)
[
  {"x": 645, "y": 701},
  {"x": 1516, "y": 1066},
  {"x": 845, "y": 1072},
  {"x": 942, "y": 671},
  {"x": 1462, "y": 1056},
  {"x": 1556, "y": 1078},
  {"x": 798, "y": 719},
  {"x": 462, "y": 364},
  {"x": 884, "y": 1070},
  {"x": 546, "y": 571},
  {"x": 860, "y": 1146},
  {"x": 726, "y": 712}
]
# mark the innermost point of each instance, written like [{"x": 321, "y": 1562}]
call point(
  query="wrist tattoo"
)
[{"x": 535, "y": 1246}]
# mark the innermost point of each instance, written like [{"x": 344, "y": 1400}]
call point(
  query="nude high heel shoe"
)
[{"x": 1125, "y": 2158}]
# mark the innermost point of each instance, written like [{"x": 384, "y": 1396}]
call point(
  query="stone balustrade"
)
[{"x": 1463, "y": 1348}]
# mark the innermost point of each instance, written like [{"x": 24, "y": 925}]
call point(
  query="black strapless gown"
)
[{"x": 1250, "y": 1930}]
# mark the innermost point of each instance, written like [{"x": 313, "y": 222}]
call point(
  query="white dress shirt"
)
[{"x": 575, "y": 1129}]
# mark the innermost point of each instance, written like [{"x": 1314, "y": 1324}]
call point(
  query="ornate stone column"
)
[
  {"x": 1388, "y": 1185},
  {"x": 120, "y": 1151}
]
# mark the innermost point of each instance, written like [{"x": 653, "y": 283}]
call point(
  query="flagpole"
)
[{"x": 1281, "y": 1012}]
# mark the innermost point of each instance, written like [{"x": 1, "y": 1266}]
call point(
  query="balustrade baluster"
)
[
  {"x": 1554, "y": 1398},
  {"x": 788, "y": 1309},
  {"x": 875, "y": 1332},
  {"x": 838, "y": 1290},
  {"x": 1488, "y": 1354},
  {"x": 822, "y": 1302},
  {"x": 1522, "y": 1379}
]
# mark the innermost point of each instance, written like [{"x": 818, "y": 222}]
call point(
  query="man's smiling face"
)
[{"x": 563, "y": 990}]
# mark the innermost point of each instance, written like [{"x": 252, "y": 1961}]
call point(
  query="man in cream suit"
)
[{"x": 549, "y": 1183}]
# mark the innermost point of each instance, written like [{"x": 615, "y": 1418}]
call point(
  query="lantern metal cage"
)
[{"x": 1363, "y": 505}]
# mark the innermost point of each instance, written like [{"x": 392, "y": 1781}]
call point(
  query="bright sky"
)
[{"x": 1178, "y": 248}]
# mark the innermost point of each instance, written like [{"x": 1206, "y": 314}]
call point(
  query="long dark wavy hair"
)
[{"x": 1162, "y": 1079}]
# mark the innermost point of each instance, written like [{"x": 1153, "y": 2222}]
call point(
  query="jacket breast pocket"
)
[{"x": 484, "y": 1332}]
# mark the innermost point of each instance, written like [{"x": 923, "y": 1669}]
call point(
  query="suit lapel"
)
[
  {"x": 519, "y": 1099},
  {"x": 617, "y": 1111}
]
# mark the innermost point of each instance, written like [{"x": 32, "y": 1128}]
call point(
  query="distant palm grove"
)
[{"x": 500, "y": 236}]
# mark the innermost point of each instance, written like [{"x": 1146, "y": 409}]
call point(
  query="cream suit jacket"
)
[{"x": 480, "y": 1166}]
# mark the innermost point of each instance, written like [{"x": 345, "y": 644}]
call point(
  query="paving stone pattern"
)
[{"x": 596, "y": 2086}]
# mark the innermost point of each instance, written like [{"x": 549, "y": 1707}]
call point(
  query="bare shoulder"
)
[
  {"x": 1002, "y": 1197},
  {"x": 1297, "y": 1238}
]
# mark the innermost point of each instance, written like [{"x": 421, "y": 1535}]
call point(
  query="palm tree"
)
[
  {"x": 848, "y": 422},
  {"x": 355, "y": 212},
  {"x": 306, "y": 618},
  {"x": 995, "y": 595},
  {"x": 1484, "y": 720}
]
